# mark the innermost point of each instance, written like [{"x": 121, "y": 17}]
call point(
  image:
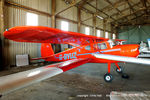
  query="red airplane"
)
[{"x": 86, "y": 49}]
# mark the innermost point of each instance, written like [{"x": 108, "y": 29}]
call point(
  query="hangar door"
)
[{"x": 135, "y": 34}]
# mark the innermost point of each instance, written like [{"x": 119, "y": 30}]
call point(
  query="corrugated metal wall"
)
[{"x": 17, "y": 17}]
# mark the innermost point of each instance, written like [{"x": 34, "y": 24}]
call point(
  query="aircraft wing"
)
[
  {"x": 123, "y": 59},
  {"x": 41, "y": 34},
  {"x": 14, "y": 81}
]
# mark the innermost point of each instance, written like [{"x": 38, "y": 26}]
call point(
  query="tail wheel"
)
[
  {"x": 126, "y": 76},
  {"x": 108, "y": 77},
  {"x": 119, "y": 70}
]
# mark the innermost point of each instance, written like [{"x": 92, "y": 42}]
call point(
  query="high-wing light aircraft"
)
[{"x": 86, "y": 49}]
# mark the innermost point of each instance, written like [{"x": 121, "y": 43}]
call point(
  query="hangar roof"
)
[{"x": 117, "y": 12}]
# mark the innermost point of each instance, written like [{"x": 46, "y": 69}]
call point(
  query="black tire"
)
[
  {"x": 126, "y": 76},
  {"x": 108, "y": 77},
  {"x": 119, "y": 71}
]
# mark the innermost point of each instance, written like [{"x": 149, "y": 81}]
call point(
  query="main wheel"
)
[
  {"x": 119, "y": 71},
  {"x": 108, "y": 77}
]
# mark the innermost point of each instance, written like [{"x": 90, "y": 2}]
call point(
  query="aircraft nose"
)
[
  {"x": 131, "y": 50},
  {"x": 134, "y": 47}
]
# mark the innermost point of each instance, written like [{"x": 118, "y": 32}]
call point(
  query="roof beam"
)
[
  {"x": 131, "y": 21},
  {"x": 130, "y": 7},
  {"x": 84, "y": 2},
  {"x": 138, "y": 17},
  {"x": 144, "y": 5},
  {"x": 134, "y": 24},
  {"x": 113, "y": 6},
  {"x": 87, "y": 19},
  {"x": 86, "y": 10},
  {"x": 68, "y": 7},
  {"x": 141, "y": 9},
  {"x": 18, "y": 6},
  {"x": 98, "y": 10},
  {"x": 10, "y": 3},
  {"x": 127, "y": 14},
  {"x": 126, "y": 9},
  {"x": 81, "y": 3}
]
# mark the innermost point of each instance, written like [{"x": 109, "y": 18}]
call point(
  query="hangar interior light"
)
[{"x": 100, "y": 17}]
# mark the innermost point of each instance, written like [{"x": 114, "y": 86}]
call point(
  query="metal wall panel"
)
[
  {"x": 109, "y": 35},
  {"x": 70, "y": 13},
  {"x": 17, "y": 17},
  {"x": 42, "y": 5},
  {"x": 72, "y": 26},
  {"x": 99, "y": 23},
  {"x": 83, "y": 29},
  {"x": 108, "y": 26},
  {"x": 85, "y": 16},
  {"x": 102, "y": 34}
]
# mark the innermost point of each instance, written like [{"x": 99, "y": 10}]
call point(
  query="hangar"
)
[{"x": 111, "y": 19}]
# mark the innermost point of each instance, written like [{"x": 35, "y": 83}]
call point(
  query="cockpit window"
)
[
  {"x": 101, "y": 46},
  {"x": 88, "y": 47}
]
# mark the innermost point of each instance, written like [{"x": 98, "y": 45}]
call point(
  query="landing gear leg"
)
[
  {"x": 119, "y": 69},
  {"x": 108, "y": 77}
]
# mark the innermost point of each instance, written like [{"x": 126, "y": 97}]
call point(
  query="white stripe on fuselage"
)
[{"x": 110, "y": 50}]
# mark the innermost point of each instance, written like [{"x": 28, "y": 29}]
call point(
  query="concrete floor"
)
[{"x": 85, "y": 83}]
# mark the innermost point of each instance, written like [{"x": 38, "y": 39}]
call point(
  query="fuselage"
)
[{"x": 85, "y": 51}]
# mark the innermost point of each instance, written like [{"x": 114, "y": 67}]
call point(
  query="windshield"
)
[{"x": 112, "y": 43}]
